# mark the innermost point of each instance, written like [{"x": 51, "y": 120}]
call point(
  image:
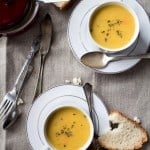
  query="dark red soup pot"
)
[{"x": 12, "y": 11}]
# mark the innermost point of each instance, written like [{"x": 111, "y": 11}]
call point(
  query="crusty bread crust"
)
[
  {"x": 138, "y": 145},
  {"x": 64, "y": 5},
  {"x": 134, "y": 122}
]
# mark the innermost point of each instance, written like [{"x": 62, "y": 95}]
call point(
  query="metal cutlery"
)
[
  {"x": 52, "y": 1},
  {"x": 11, "y": 118},
  {"x": 9, "y": 102},
  {"x": 46, "y": 38},
  {"x": 44, "y": 1},
  {"x": 100, "y": 60},
  {"x": 14, "y": 115},
  {"x": 89, "y": 96}
]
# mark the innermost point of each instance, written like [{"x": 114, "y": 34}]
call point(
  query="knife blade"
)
[
  {"x": 46, "y": 41},
  {"x": 89, "y": 97},
  {"x": 46, "y": 34}
]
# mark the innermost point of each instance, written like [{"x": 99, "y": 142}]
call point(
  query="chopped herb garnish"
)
[
  {"x": 108, "y": 21},
  {"x": 84, "y": 116},
  {"x": 112, "y": 26},
  {"x": 102, "y": 31},
  {"x": 64, "y": 145},
  {"x": 67, "y": 131},
  {"x": 62, "y": 131},
  {"x": 119, "y": 33}
]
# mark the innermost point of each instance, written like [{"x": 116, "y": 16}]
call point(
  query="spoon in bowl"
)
[{"x": 100, "y": 60}]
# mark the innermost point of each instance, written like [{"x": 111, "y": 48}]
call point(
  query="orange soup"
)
[
  {"x": 112, "y": 26},
  {"x": 67, "y": 129}
]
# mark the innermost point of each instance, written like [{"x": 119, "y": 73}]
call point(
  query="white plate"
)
[
  {"x": 80, "y": 43},
  {"x": 64, "y": 94}
]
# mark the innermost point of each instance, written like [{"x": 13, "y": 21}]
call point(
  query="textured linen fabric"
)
[
  {"x": 128, "y": 92},
  {"x": 3, "y": 43}
]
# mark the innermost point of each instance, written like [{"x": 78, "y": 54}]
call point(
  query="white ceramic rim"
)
[
  {"x": 119, "y": 66},
  {"x": 73, "y": 91},
  {"x": 136, "y": 33},
  {"x": 86, "y": 145}
]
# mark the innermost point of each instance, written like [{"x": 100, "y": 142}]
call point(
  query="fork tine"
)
[
  {"x": 6, "y": 114},
  {"x": 2, "y": 108},
  {"x": 3, "y": 104},
  {"x": 5, "y": 110}
]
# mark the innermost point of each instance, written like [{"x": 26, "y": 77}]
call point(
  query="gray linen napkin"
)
[{"x": 3, "y": 43}]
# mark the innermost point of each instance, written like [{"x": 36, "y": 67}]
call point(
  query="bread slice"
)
[
  {"x": 126, "y": 134},
  {"x": 64, "y": 5}
]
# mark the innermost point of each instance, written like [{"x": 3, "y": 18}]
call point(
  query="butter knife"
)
[
  {"x": 46, "y": 38},
  {"x": 89, "y": 97}
]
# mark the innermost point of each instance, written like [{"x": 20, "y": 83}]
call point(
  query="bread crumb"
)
[
  {"x": 67, "y": 81},
  {"x": 136, "y": 119},
  {"x": 77, "y": 81},
  {"x": 20, "y": 102}
]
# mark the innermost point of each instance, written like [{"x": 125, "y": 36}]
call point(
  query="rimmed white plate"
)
[
  {"x": 80, "y": 43},
  {"x": 64, "y": 94}
]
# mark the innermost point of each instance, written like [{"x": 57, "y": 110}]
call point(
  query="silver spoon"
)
[{"x": 100, "y": 60}]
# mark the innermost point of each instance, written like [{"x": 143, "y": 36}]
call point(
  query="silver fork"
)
[{"x": 9, "y": 101}]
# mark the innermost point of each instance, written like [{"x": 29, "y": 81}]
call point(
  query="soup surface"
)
[
  {"x": 67, "y": 129},
  {"x": 112, "y": 26}
]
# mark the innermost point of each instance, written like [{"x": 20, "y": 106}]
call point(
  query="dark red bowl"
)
[
  {"x": 15, "y": 19},
  {"x": 12, "y": 11}
]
